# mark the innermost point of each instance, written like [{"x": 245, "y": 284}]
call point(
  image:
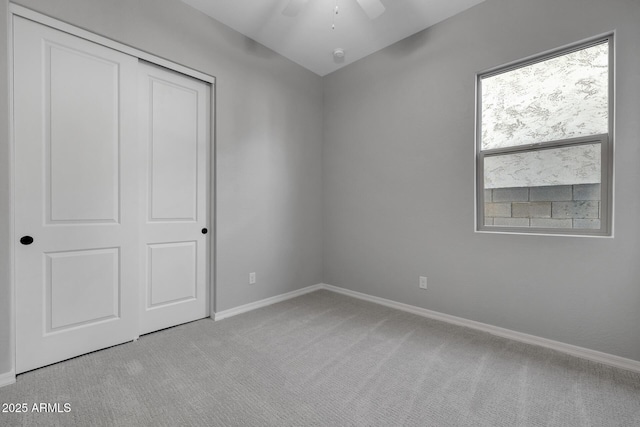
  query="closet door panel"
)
[
  {"x": 173, "y": 152},
  {"x": 82, "y": 102},
  {"x": 76, "y": 209},
  {"x": 174, "y": 132}
]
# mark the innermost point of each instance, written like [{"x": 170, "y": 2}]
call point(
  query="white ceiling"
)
[{"x": 308, "y": 38}]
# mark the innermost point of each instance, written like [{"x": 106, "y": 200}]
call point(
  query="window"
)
[{"x": 544, "y": 143}]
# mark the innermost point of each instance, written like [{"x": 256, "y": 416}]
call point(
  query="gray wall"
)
[
  {"x": 268, "y": 146},
  {"x": 398, "y": 176},
  {"x": 396, "y": 125}
]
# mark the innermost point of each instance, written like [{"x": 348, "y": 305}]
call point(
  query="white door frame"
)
[{"x": 17, "y": 10}]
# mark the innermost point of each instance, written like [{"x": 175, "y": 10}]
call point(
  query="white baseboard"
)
[
  {"x": 265, "y": 302},
  {"x": 581, "y": 352},
  {"x": 7, "y": 378}
]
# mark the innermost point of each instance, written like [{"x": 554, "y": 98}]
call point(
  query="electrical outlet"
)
[
  {"x": 252, "y": 278},
  {"x": 423, "y": 282}
]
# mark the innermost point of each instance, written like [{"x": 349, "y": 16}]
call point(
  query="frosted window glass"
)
[
  {"x": 559, "y": 98},
  {"x": 578, "y": 164}
]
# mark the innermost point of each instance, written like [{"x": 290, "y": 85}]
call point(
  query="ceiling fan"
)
[{"x": 373, "y": 8}]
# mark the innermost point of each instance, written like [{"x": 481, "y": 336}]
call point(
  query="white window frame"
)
[{"x": 605, "y": 141}]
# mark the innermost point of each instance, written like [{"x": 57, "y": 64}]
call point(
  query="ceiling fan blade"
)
[
  {"x": 373, "y": 8},
  {"x": 294, "y": 7}
]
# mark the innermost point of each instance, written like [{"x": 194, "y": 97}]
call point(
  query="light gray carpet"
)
[{"x": 327, "y": 360}]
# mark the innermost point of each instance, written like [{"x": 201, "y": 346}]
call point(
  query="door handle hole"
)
[{"x": 26, "y": 240}]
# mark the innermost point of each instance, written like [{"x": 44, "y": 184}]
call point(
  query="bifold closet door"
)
[
  {"x": 174, "y": 132},
  {"x": 76, "y": 196}
]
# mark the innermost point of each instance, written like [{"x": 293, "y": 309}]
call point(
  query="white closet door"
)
[
  {"x": 174, "y": 131},
  {"x": 75, "y": 195}
]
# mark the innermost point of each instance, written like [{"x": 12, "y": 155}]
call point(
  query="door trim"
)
[{"x": 17, "y": 10}]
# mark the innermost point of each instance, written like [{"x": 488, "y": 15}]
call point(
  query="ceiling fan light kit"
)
[
  {"x": 301, "y": 30},
  {"x": 372, "y": 8},
  {"x": 338, "y": 56}
]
